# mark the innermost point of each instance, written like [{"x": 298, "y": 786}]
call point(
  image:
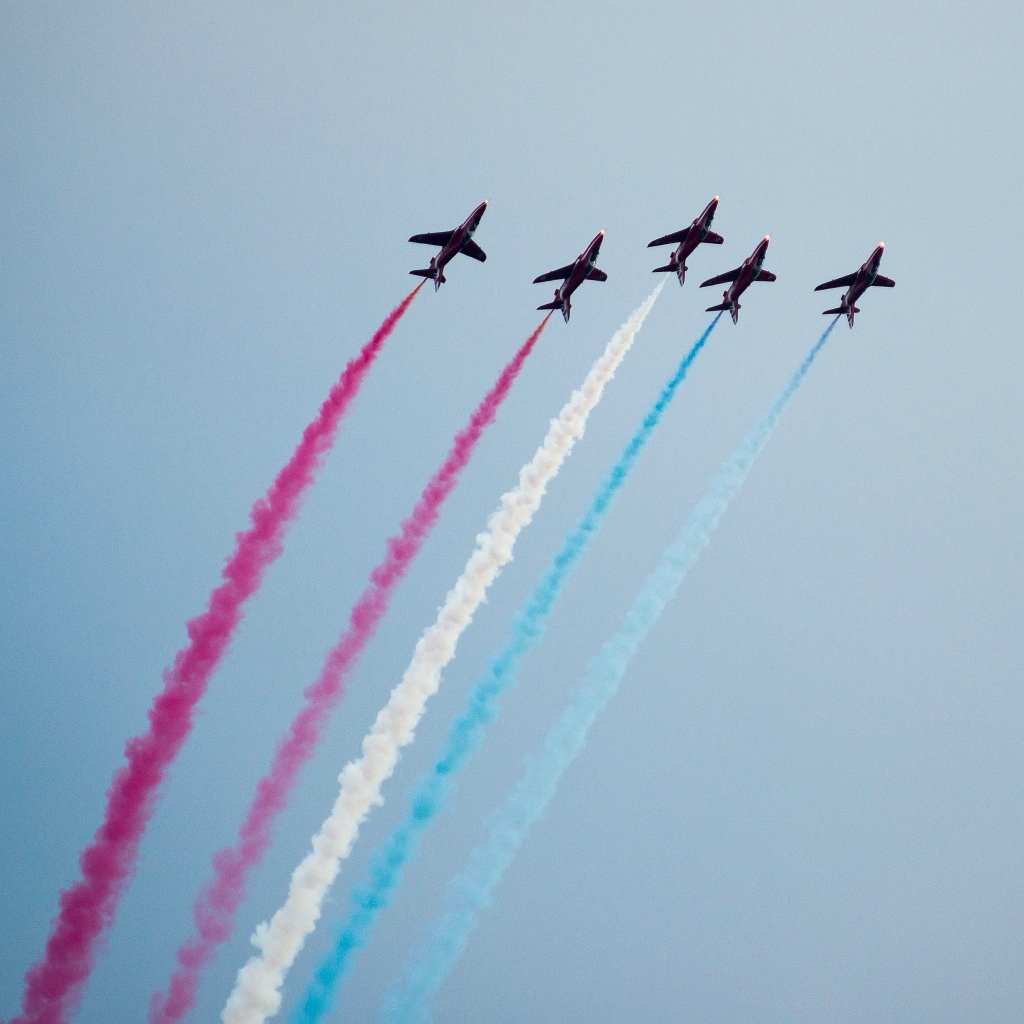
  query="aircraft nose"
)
[{"x": 881, "y": 245}]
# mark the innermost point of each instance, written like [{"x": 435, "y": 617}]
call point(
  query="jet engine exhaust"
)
[
  {"x": 54, "y": 985},
  {"x": 408, "y": 1000},
  {"x": 217, "y": 905}
]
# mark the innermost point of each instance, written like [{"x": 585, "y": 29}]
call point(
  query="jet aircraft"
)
[
  {"x": 742, "y": 278},
  {"x": 452, "y": 243},
  {"x": 573, "y": 275},
  {"x": 859, "y": 282},
  {"x": 688, "y": 239}
]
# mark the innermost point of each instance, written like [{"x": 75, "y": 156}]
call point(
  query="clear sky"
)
[{"x": 806, "y": 803}]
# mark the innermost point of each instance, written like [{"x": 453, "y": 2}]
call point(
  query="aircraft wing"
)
[
  {"x": 556, "y": 275},
  {"x": 839, "y": 282},
  {"x": 676, "y": 236},
  {"x": 729, "y": 275},
  {"x": 596, "y": 275},
  {"x": 470, "y": 248},
  {"x": 713, "y": 238},
  {"x": 433, "y": 238},
  {"x": 765, "y": 275},
  {"x": 883, "y": 282}
]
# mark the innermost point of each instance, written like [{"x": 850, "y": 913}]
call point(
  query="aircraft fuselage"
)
[
  {"x": 582, "y": 267},
  {"x": 462, "y": 234},
  {"x": 698, "y": 232},
  {"x": 864, "y": 280},
  {"x": 585, "y": 262},
  {"x": 749, "y": 269}
]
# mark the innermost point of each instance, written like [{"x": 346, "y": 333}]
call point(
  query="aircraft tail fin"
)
[
  {"x": 551, "y": 305},
  {"x": 840, "y": 309},
  {"x": 671, "y": 268},
  {"x": 422, "y": 273},
  {"x": 715, "y": 309}
]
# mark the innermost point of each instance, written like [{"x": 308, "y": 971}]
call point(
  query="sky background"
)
[{"x": 806, "y": 802}]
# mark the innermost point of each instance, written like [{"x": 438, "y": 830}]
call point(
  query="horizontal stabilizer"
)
[
  {"x": 555, "y": 275},
  {"x": 670, "y": 269},
  {"x": 840, "y": 309},
  {"x": 676, "y": 236},
  {"x": 839, "y": 282},
  {"x": 551, "y": 305},
  {"x": 422, "y": 273},
  {"x": 729, "y": 275},
  {"x": 883, "y": 282},
  {"x": 765, "y": 275},
  {"x": 433, "y": 238},
  {"x": 715, "y": 309},
  {"x": 593, "y": 274},
  {"x": 713, "y": 239},
  {"x": 470, "y": 248}
]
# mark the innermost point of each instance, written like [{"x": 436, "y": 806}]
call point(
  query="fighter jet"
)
[
  {"x": 573, "y": 275},
  {"x": 452, "y": 243},
  {"x": 742, "y": 278},
  {"x": 859, "y": 283},
  {"x": 688, "y": 239}
]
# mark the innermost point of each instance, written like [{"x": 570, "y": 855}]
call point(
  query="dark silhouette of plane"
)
[
  {"x": 688, "y": 239},
  {"x": 573, "y": 275},
  {"x": 452, "y": 243},
  {"x": 742, "y": 278},
  {"x": 859, "y": 282}
]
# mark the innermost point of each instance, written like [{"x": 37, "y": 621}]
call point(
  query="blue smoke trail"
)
[
  {"x": 408, "y": 1001},
  {"x": 466, "y": 732}
]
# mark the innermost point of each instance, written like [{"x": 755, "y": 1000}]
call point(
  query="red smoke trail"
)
[
  {"x": 54, "y": 985},
  {"x": 215, "y": 909}
]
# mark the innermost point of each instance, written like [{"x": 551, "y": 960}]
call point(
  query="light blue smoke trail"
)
[
  {"x": 466, "y": 732},
  {"x": 409, "y": 1000}
]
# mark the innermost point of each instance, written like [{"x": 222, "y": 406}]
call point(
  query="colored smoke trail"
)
[
  {"x": 257, "y": 991},
  {"x": 217, "y": 905},
  {"x": 467, "y": 731},
  {"x": 409, "y": 1000},
  {"x": 54, "y": 985}
]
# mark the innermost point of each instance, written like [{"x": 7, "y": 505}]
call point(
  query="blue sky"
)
[{"x": 811, "y": 773}]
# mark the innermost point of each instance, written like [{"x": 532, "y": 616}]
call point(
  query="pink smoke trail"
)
[
  {"x": 215, "y": 909},
  {"x": 53, "y": 986}
]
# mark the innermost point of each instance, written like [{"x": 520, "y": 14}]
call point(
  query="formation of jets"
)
[{"x": 584, "y": 267}]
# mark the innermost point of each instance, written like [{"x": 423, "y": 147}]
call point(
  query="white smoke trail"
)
[
  {"x": 409, "y": 999},
  {"x": 257, "y": 992}
]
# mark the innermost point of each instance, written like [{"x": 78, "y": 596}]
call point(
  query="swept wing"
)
[
  {"x": 470, "y": 248},
  {"x": 556, "y": 275},
  {"x": 433, "y": 238},
  {"x": 676, "y": 236},
  {"x": 726, "y": 278}
]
